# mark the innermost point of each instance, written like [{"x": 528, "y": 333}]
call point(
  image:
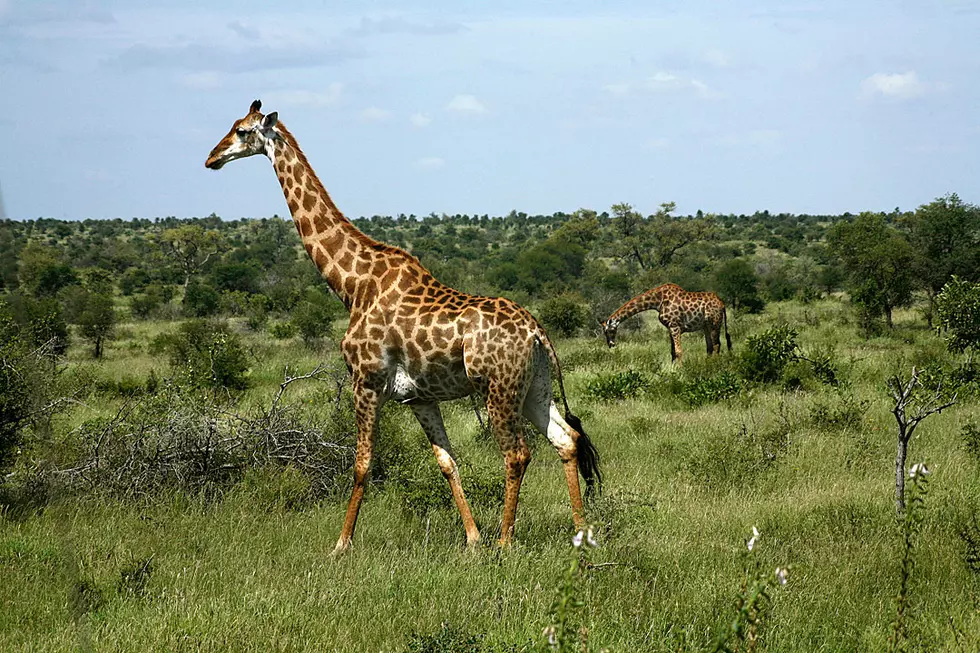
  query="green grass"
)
[{"x": 683, "y": 489}]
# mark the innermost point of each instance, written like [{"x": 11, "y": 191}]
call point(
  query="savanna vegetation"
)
[{"x": 176, "y": 439}]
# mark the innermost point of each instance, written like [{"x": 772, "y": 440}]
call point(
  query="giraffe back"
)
[{"x": 691, "y": 311}]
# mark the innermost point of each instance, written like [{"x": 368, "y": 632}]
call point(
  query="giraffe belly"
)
[{"x": 440, "y": 384}]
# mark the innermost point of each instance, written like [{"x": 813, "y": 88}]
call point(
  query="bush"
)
[
  {"x": 971, "y": 441},
  {"x": 314, "y": 314},
  {"x": 145, "y": 304},
  {"x": 736, "y": 459},
  {"x": 134, "y": 280},
  {"x": 257, "y": 311},
  {"x": 846, "y": 413},
  {"x": 711, "y": 389},
  {"x": 958, "y": 310},
  {"x": 766, "y": 354},
  {"x": 563, "y": 316},
  {"x": 282, "y": 330},
  {"x": 618, "y": 386},
  {"x": 206, "y": 354},
  {"x": 28, "y": 383},
  {"x": 201, "y": 300}
]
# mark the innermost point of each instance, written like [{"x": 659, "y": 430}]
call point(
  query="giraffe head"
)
[
  {"x": 609, "y": 330},
  {"x": 250, "y": 135}
]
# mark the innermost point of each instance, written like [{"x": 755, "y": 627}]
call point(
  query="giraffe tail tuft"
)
[
  {"x": 588, "y": 457},
  {"x": 728, "y": 338}
]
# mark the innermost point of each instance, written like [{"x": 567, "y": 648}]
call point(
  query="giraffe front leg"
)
[
  {"x": 506, "y": 425},
  {"x": 367, "y": 403},
  {"x": 430, "y": 418}
]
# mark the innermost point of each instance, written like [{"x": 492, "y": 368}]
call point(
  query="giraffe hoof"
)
[{"x": 341, "y": 548}]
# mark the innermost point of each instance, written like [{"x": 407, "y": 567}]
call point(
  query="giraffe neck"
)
[
  {"x": 343, "y": 254},
  {"x": 651, "y": 299}
]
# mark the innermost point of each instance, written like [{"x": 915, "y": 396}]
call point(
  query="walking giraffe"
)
[
  {"x": 414, "y": 340},
  {"x": 681, "y": 312}
]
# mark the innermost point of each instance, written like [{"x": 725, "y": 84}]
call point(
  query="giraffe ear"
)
[
  {"x": 256, "y": 105},
  {"x": 270, "y": 120}
]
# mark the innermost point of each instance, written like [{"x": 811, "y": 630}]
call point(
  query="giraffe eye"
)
[{"x": 243, "y": 132}]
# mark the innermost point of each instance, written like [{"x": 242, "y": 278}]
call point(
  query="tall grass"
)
[{"x": 249, "y": 570}]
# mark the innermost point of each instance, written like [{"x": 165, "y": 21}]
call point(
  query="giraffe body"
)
[
  {"x": 417, "y": 341},
  {"x": 681, "y": 312}
]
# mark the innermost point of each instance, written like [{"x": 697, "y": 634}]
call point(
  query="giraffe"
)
[
  {"x": 414, "y": 340},
  {"x": 681, "y": 312}
]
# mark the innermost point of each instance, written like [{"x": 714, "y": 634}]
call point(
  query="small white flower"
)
[
  {"x": 551, "y": 634},
  {"x": 782, "y": 575},
  {"x": 577, "y": 540},
  {"x": 590, "y": 538},
  {"x": 918, "y": 468},
  {"x": 755, "y": 536}
]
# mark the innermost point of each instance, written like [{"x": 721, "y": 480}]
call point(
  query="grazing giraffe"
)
[
  {"x": 416, "y": 341},
  {"x": 681, "y": 312}
]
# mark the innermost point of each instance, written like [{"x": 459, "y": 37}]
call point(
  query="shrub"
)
[
  {"x": 562, "y": 315},
  {"x": 314, "y": 314},
  {"x": 145, "y": 304},
  {"x": 958, "y": 309},
  {"x": 736, "y": 459},
  {"x": 847, "y": 412},
  {"x": 282, "y": 330},
  {"x": 206, "y": 354},
  {"x": 971, "y": 441},
  {"x": 201, "y": 300},
  {"x": 618, "y": 386},
  {"x": 257, "y": 311},
  {"x": 711, "y": 389},
  {"x": 766, "y": 354},
  {"x": 28, "y": 385}
]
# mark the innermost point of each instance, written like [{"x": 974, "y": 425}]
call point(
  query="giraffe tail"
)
[
  {"x": 724, "y": 318},
  {"x": 586, "y": 453}
]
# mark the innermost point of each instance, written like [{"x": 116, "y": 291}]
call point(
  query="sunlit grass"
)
[{"x": 241, "y": 573}]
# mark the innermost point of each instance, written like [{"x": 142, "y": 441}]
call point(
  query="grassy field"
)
[{"x": 812, "y": 469}]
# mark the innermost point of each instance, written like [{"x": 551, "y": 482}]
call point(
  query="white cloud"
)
[
  {"x": 663, "y": 81},
  {"x": 421, "y": 119},
  {"x": 331, "y": 96},
  {"x": 466, "y": 104},
  {"x": 375, "y": 114},
  {"x": 896, "y": 85},
  {"x": 429, "y": 163}
]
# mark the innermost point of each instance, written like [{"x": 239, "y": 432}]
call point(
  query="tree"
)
[
  {"x": 97, "y": 321},
  {"x": 655, "y": 241},
  {"x": 913, "y": 403},
  {"x": 738, "y": 284},
  {"x": 191, "y": 247},
  {"x": 879, "y": 263},
  {"x": 945, "y": 235}
]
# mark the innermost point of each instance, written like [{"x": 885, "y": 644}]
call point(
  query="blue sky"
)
[{"x": 110, "y": 108}]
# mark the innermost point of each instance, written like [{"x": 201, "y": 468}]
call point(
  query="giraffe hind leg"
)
[
  {"x": 430, "y": 418},
  {"x": 502, "y": 407}
]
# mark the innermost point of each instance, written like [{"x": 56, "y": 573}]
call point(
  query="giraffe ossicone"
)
[
  {"x": 680, "y": 311},
  {"x": 415, "y": 340}
]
